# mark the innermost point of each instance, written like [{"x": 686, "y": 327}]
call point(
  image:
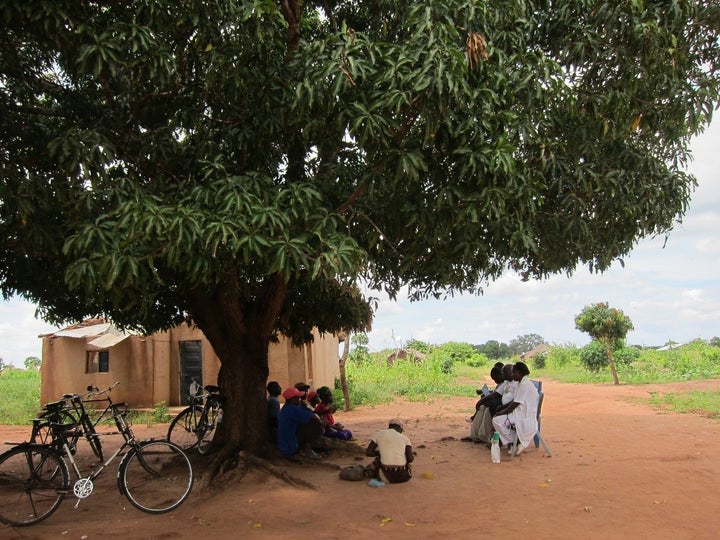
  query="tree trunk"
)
[
  {"x": 240, "y": 335},
  {"x": 611, "y": 360},
  {"x": 343, "y": 378}
]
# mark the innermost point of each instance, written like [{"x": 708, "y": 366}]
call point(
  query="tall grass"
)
[
  {"x": 373, "y": 381},
  {"x": 20, "y": 391}
]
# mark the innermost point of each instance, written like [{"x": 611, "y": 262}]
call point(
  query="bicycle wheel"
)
[
  {"x": 33, "y": 482},
  {"x": 186, "y": 429},
  {"x": 156, "y": 477},
  {"x": 210, "y": 423},
  {"x": 42, "y": 432}
]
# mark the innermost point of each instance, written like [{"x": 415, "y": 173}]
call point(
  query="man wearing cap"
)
[
  {"x": 297, "y": 426},
  {"x": 393, "y": 454}
]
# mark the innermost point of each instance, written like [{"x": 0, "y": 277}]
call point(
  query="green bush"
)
[{"x": 20, "y": 391}]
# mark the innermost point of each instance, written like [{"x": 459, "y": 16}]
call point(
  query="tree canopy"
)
[
  {"x": 239, "y": 164},
  {"x": 609, "y": 326}
]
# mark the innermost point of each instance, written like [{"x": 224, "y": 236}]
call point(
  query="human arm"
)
[
  {"x": 508, "y": 409},
  {"x": 409, "y": 456},
  {"x": 372, "y": 450}
]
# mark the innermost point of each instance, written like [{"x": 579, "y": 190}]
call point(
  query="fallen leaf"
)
[
  {"x": 409, "y": 524},
  {"x": 428, "y": 475},
  {"x": 386, "y": 519},
  {"x": 544, "y": 485}
]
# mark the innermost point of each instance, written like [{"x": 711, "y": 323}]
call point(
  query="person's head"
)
[
  {"x": 325, "y": 394},
  {"x": 520, "y": 370},
  {"x": 274, "y": 388},
  {"x": 312, "y": 398},
  {"x": 303, "y": 387},
  {"x": 496, "y": 374},
  {"x": 507, "y": 372},
  {"x": 292, "y": 395},
  {"x": 396, "y": 424}
]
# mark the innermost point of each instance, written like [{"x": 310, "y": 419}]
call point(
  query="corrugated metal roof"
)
[{"x": 84, "y": 331}]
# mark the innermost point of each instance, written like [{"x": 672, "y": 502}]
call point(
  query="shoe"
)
[
  {"x": 469, "y": 419},
  {"x": 310, "y": 454},
  {"x": 519, "y": 450},
  {"x": 467, "y": 439},
  {"x": 376, "y": 483}
]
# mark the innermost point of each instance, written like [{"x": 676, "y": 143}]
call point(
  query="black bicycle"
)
[
  {"x": 156, "y": 476},
  {"x": 195, "y": 425},
  {"x": 71, "y": 409}
]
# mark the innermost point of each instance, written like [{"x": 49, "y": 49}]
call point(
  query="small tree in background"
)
[
  {"x": 33, "y": 363},
  {"x": 607, "y": 325}
]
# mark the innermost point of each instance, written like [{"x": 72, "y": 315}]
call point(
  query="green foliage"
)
[
  {"x": 539, "y": 360},
  {"x": 525, "y": 343},
  {"x": 20, "y": 391},
  {"x": 417, "y": 345},
  {"x": 494, "y": 350},
  {"x": 603, "y": 323},
  {"x": 560, "y": 356},
  {"x": 360, "y": 352},
  {"x": 477, "y": 360},
  {"x": 594, "y": 355},
  {"x": 33, "y": 362},
  {"x": 704, "y": 402}
]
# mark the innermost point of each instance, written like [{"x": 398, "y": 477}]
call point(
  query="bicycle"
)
[
  {"x": 195, "y": 425},
  {"x": 71, "y": 410},
  {"x": 156, "y": 476}
]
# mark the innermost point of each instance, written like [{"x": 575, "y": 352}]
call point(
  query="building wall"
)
[{"x": 148, "y": 367}]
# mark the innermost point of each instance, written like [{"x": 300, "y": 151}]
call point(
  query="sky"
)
[{"x": 669, "y": 293}]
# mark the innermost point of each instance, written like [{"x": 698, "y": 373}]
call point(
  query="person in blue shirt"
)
[
  {"x": 274, "y": 390},
  {"x": 298, "y": 427}
]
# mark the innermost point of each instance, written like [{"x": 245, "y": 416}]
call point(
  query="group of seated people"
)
[
  {"x": 510, "y": 410},
  {"x": 306, "y": 416}
]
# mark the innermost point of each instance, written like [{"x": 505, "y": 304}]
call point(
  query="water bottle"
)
[{"x": 495, "y": 448}]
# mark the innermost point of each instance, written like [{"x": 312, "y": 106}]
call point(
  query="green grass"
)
[
  {"x": 706, "y": 403},
  {"x": 20, "y": 391}
]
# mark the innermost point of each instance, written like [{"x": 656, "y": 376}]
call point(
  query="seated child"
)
[{"x": 325, "y": 410}]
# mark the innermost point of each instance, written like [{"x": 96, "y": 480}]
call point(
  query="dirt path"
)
[{"x": 619, "y": 470}]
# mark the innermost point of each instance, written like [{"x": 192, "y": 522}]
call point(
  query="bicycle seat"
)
[
  {"x": 54, "y": 405},
  {"x": 57, "y": 428},
  {"x": 212, "y": 388}
]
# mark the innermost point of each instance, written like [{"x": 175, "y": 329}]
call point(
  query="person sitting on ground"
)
[
  {"x": 325, "y": 410},
  {"x": 481, "y": 430},
  {"x": 273, "y": 408},
  {"x": 393, "y": 454},
  {"x": 298, "y": 428},
  {"x": 305, "y": 389},
  {"x": 521, "y": 413}
]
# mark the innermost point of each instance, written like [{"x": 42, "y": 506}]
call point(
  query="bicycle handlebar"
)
[{"x": 91, "y": 391}]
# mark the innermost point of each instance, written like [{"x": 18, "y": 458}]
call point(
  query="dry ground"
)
[{"x": 619, "y": 469}]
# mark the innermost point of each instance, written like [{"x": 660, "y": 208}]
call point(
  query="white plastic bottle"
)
[{"x": 495, "y": 448}]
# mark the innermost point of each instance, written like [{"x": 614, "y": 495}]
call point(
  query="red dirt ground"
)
[{"x": 619, "y": 469}]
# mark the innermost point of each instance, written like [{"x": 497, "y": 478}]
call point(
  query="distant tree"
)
[
  {"x": 2, "y": 364},
  {"x": 456, "y": 351},
  {"x": 606, "y": 325},
  {"x": 33, "y": 363},
  {"x": 419, "y": 346},
  {"x": 494, "y": 350},
  {"x": 360, "y": 351},
  {"x": 715, "y": 342},
  {"x": 594, "y": 356},
  {"x": 524, "y": 343}
]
